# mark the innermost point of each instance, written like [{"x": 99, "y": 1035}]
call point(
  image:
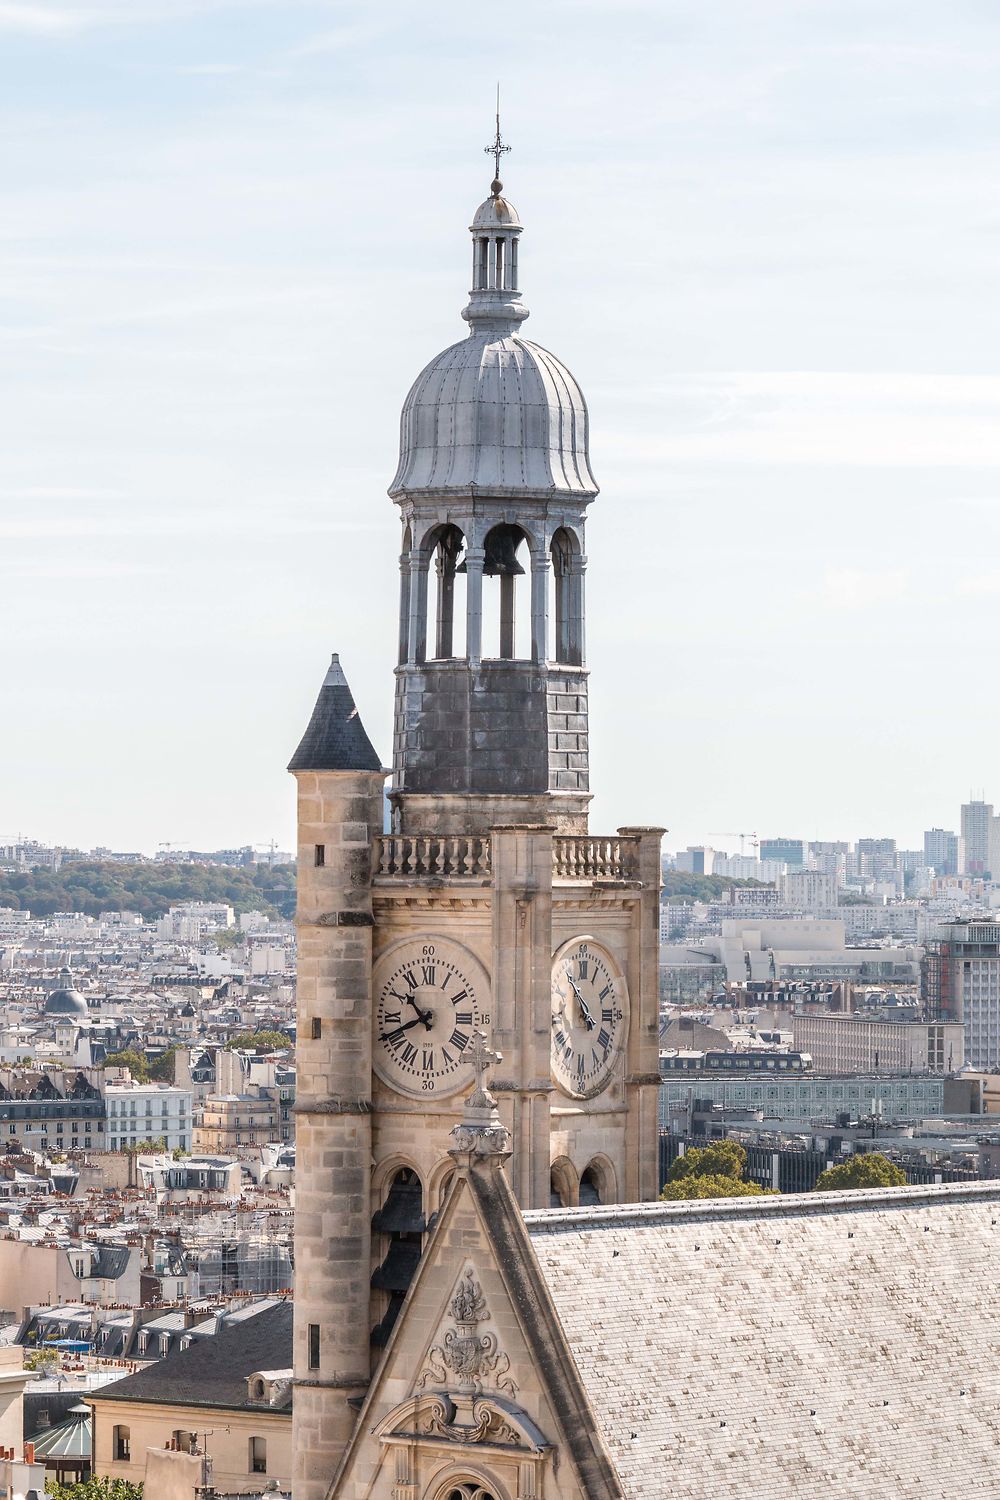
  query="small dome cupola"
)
[
  {"x": 495, "y": 300},
  {"x": 495, "y": 304},
  {"x": 494, "y": 414}
]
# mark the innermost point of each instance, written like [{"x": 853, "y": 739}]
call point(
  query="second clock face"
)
[
  {"x": 589, "y": 1017},
  {"x": 429, "y": 998}
]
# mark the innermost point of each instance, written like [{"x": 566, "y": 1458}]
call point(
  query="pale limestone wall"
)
[
  {"x": 13, "y": 1379},
  {"x": 428, "y": 1466},
  {"x": 31, "y": 1274},
  {"x": 225, "y": 1435},
  {"x": 342, "y": 812}
]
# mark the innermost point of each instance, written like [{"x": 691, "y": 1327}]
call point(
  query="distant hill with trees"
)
[
  {"x": 93, "y": 886},
  {"x": 679, "y": 886}
]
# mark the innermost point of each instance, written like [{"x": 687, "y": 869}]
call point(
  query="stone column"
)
[
  {"x": 417, "y": 633},
  {"x": 642, "y": 1076},
  {"x": 577, "y": 610},
  {"x": 539, "y": 606},
  {"x": 522, "y": 1007},
  {"x": 339, "y": 813},
  {"x": 474, "y": 558}
]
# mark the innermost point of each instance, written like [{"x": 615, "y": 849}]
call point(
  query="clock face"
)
[
  {"x": 430, "y": 995},
  {"x": 589, "y": 1017}
]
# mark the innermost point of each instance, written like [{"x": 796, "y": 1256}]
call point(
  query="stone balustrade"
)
[
  {"x": 408, "y": 856},
  {"x": 576, "y": 857},
  {"x": 580, "y": 857}
]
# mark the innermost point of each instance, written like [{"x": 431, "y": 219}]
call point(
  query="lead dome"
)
[
  {"x": 66, "y": 1000},
  {"x": 495, "y": 413}
]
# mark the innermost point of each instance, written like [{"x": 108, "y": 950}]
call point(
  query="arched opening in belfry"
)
[
  {"x": 400, "y": 1224},
  {"x": 445, "y": 594},
  {"x": 597, "y": 1183},
  {"x": 506, "y": 594},
  {"x": 566, "y": 607},
  {"x": 563, "y": 1187}
]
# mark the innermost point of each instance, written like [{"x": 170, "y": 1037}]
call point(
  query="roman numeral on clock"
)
[{"x": 459, "y": 1039}]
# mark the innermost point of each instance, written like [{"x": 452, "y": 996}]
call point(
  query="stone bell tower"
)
[
  {"x": 493, "y": 485},
  {"x": 489, "y": 908}
]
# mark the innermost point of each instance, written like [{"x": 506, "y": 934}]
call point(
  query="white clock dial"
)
[
  {"x": 589, "y": 1017},
  {"x": 430, "y": 995}
]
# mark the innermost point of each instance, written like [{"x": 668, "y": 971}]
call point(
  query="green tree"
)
[
  {"x": 161, "y": 1069},
  {"x": 260, "y": 1040},
  {"x": 678, "y": 885},
  {"x": 93, "y": 886},
  {"x": 43, "y": 1360},
  {"x": 227, "y": 937},
  {"x": 868, "y": 1170},
  {"x": 94, "y": 1488},
  {"x": 714, "y": 1171},
  {"x": 131, "y": 1059},
  {"x": 712, "y": 1187}
]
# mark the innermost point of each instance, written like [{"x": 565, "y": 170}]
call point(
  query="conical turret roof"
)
[{"x": 335, "y": 739}]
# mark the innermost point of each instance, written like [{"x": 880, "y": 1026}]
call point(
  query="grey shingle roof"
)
[
  {"x": 790, "y": 1348},
  {"x": 335, "y": 738},
  {"x": 213, "y": 1371}
]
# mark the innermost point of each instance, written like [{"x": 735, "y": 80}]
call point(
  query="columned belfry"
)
[
  {"x": 488, "y": 911},
  {"x": 493, "y": 486}
]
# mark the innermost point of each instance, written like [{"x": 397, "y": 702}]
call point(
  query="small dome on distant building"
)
[
  {"x": 66, "y": 1000},
  {"x": 188, "y": 1010}
]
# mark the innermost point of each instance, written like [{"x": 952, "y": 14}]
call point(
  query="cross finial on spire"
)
[{"x": 496, "y": 150}]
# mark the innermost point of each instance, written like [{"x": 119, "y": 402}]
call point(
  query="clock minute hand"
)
[
  {"x": 588, "y": 1018},
  {"x": 387, "y": 1036}
]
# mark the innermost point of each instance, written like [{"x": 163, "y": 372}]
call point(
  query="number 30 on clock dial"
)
[
  {"x": 589, "y": 1017},
  {"x": 430, "y": 995}
]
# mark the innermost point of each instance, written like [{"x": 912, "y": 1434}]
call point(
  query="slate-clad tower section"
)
[
  {"x": 340, "y": 783},
  {"x": 493, "y": 484}
]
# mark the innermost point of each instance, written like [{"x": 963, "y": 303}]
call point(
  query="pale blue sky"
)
[{"x": 763, "y": 233}]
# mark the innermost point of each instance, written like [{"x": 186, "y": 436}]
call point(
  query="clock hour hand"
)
[
  {"x": 387, "y": 1036},
  {"x": 588, "y": 1018}
]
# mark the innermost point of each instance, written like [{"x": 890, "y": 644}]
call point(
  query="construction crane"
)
[{"x": 729, "y": 833}]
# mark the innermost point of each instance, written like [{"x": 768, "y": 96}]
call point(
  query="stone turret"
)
[{"x": 340, "y": 783}]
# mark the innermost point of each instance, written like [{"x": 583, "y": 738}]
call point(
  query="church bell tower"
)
[{"x": 489, "y": 906}]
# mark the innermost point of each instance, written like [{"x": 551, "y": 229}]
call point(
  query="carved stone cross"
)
[{"x": 482, "y": 1056}]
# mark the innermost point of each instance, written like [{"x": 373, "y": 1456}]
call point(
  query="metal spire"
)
[{"x": 496, "y": 150}]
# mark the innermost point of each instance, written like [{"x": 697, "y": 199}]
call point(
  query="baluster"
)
[
  {"x": 408, "y": 866},
  {"x": 469, "y": 857},
  {"x": 485, "y": 857}
]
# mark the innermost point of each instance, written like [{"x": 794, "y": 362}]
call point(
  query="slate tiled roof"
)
[
  {"x": 335, "y": 738},
  {"x": 796, "y": 1348},
  {"x": 213, "y": 1372}
]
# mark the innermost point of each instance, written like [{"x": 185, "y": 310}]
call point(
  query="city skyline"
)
[{"x": 775, "y": 308}]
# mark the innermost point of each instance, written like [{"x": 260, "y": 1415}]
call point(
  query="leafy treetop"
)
[
  {"x": 714, "y": 1171},
  {"x": 864, "y": 1170},
  {"x": 94, "y": 1488},
  {"x": 260, "y": 1041}
]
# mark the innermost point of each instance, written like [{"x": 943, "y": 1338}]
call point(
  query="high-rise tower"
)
[{"x": 489, "y": 906}]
